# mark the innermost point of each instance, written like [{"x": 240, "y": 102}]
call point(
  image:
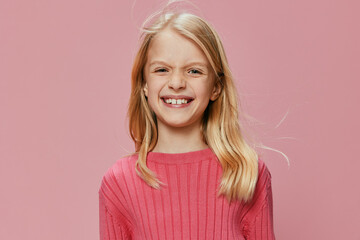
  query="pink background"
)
[{"x": 64, "y": 89}]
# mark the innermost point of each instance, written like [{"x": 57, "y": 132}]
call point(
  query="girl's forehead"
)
[{"x": 169, "y": 45}]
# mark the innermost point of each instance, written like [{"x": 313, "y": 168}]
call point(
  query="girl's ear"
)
[
  {"x": 216, "y": 91},
  {"x": 146, "y": 89}
]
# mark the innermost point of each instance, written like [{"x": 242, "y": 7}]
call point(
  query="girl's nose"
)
[{"x": 177, "y": 81}]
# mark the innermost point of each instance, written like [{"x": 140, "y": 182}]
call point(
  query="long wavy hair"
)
[{"x": 220, "y": 125}]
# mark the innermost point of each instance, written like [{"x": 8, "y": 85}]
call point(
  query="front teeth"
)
[{"x": 176, "y": 101}]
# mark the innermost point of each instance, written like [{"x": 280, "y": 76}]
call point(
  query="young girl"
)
[{"x": 192, "y": 175}]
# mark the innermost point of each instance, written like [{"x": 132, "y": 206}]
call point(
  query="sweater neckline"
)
[{"x": 180, "y": 158}]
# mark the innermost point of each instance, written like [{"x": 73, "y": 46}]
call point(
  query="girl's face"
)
[{"x": 179, "y": 80}]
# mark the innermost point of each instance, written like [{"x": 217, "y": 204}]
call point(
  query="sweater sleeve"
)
[
  {"x": 110, "y": 228},
  {"x": 258, "y": 222},
  {"x": 113, "y": 223}
]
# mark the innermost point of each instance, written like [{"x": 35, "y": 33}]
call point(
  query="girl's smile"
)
[{"x": 176, "y": 101}]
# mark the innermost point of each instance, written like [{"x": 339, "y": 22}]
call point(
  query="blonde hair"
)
[{"x": 220, "y": 126}]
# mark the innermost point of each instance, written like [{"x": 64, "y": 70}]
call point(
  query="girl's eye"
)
[
  {"x": 161, "y": 70},
  {"x": 195, "y": 71}
]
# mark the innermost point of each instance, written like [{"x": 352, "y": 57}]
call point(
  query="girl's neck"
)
[{"x": 179, "y": 140}]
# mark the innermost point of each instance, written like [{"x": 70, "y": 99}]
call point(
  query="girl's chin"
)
[{"x": 173, "y": 123}]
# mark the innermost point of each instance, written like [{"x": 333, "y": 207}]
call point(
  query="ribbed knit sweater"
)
[{"x": 187, "y": 207}]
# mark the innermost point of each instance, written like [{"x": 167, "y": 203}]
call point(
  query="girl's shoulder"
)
[
  {"x": 120, "y": 170},
  {"x": 262, "y": 194},
  {"x": 263, "y": 170},
  {"x": 115, "y": 184},
  {"x": 263, "y": 185}
]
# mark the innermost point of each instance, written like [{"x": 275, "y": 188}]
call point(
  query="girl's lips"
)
[{"x": 176, "y": 97}]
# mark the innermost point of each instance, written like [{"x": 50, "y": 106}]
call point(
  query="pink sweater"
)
[{"x": 187, "y": 208}]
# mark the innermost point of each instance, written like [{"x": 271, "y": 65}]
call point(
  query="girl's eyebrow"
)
[
  {"x": 157, "y": 62},
  {"x": 191, "y": 63},
  {"x": 202, "y": 64}
]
